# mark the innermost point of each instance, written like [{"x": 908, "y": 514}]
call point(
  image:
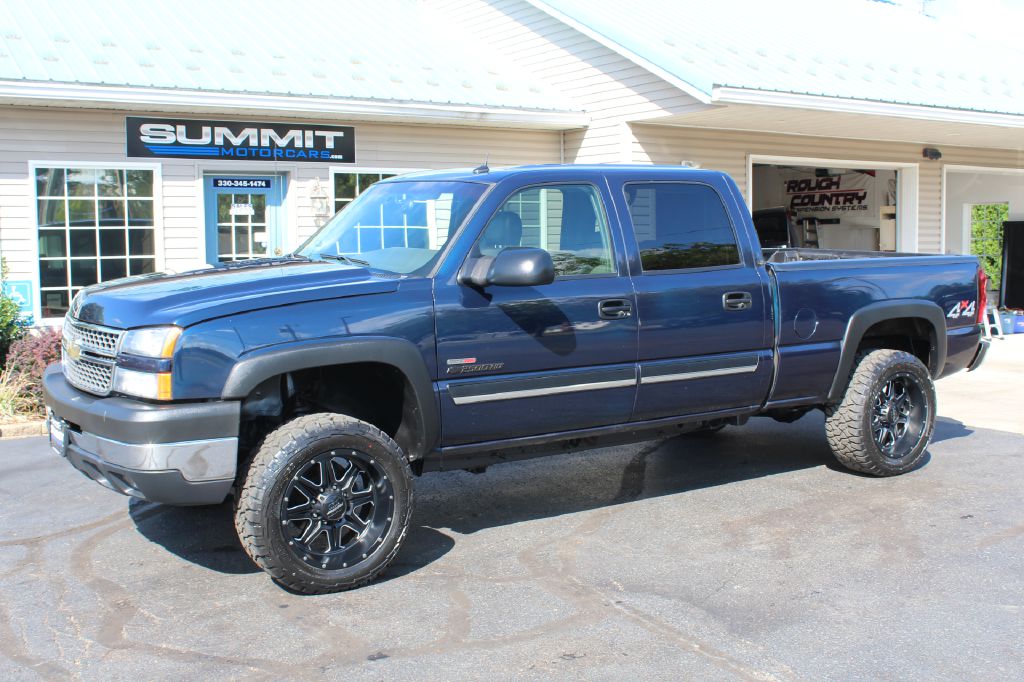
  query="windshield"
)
[{"x": 396, "y": 226}]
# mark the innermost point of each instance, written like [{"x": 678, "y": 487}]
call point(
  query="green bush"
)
[{"x": 12, "y": 326}]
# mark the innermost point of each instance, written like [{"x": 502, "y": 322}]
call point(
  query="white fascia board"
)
[
  {"x": 730, "y": 95},
  {"x": 661, "y": 73},
  {"x": 78, "y": 95}
]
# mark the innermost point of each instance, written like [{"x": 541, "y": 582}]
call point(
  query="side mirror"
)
[{"x": 513, "y": 266}]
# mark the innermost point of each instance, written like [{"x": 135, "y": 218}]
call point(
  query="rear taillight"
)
[{"x": 982, "y": 295}]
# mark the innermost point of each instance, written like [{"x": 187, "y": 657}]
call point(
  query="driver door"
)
[{"x": 520, "y": 361}]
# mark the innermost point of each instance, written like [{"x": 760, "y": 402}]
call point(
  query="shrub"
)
[
  {"x": 28, "y": 357},
  {"x": 12, "y": 327}
]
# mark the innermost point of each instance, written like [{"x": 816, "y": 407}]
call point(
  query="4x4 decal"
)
[{"x": 962, "y": 309}]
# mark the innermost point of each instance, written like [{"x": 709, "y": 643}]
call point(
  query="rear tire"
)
[
  {"x": 326, "y": 503},
  {"x": 885, "y": 421}
]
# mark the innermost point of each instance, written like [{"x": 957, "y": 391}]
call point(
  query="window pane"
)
[
  {"x": 51, "y": 212},
  {"x": 140, "y": 183},
  {"x": 81, "y": 182},
  {"x": 141, "y": 243},
  {"x": 112, "y": 243},
  {"x": 83, "y": 273},
  {"x": 680, "y": 225},
  {"x": 81, "y": 212},
  {"x": 242, "y": 240},
  {"x": 111, "y": 212},
  {"x": 259, "y": 208},
  {"x": 140, "y": 266},
  {"x": 565, "y": 220},
  {"x": 110, "y": 183},
  {"x": 140, "y": 212},
  {"x": 83, "y": 243},
  {"x": 52, "y": 243},
  {"x": 344, "y": 185},
  {"x": 53, "y": 273},
  {"x": 50, "y": 182},
  {"x": 54, "y": 303},
  {"x": 113, "y": 268},
  {"x": 224, "y": 240}
]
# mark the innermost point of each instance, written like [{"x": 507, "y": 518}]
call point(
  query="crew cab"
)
[{"x": 455, "y": 319}]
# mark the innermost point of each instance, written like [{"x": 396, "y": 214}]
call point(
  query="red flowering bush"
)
[{"x": 27, "y": 358}]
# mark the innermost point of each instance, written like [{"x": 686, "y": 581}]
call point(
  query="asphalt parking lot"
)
[{"x": 745, "y": 555}]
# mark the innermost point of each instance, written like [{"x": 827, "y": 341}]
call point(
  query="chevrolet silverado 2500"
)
[{"x": 450, "y": 320}]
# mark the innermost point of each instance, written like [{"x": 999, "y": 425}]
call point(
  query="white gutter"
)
[
  {"x": 77, "y": 95},
  {"x": 729, "y": 95},
  {"x": 688, "y": 88}
]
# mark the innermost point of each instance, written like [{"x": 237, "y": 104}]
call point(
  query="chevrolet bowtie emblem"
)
[{"x": 75, "y": 349}]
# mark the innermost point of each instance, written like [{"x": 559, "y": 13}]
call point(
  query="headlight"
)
[
  {"x": 152, "y": 342},
  {"x": 144, "y": 362}
]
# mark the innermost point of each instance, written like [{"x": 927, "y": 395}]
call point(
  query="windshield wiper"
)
[{"x": 345, "y": 259}]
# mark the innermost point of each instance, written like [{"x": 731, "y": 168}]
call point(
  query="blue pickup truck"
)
[{"x": 451, "y": 320}]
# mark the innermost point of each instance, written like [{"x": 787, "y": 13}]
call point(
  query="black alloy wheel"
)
[
  {"x": 899, "y": 415},
  {"x": 337, "y": 509}
]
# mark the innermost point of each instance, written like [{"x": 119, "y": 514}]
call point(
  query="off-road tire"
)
[
  {"x": 848, "y": 425},
  {"x": 283, "y": 453}
]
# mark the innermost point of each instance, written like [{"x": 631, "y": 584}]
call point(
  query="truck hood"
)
[{"x": 190, "y": 297}]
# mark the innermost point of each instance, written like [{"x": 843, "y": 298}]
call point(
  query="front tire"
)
[
  {"x": 326, "y": 503},
  {"x": 885, "y": 421}
]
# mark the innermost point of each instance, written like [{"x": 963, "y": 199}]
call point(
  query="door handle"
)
[
  {"x": 614, "y": 309},
  {"x": 737, "y": 300}
]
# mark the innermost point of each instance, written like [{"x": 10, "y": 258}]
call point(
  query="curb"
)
[{"x": 36, "y": 427}]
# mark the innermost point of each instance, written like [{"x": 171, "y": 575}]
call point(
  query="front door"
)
[
  {"x": 522, "y": 361},
  {"x": 243, "y": 217}
]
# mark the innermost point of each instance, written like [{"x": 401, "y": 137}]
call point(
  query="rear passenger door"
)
[{"x": 704, "y": 342}]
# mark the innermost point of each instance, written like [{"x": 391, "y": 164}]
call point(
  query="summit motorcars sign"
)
[{"x": 238, "y": 140}]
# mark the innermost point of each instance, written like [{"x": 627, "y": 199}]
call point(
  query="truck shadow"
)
[{"x": 464, "y": 503}]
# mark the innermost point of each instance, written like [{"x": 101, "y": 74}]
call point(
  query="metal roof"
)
[
  {"x": 856, "y": 49},
  {"x": 399, "y": 51}
]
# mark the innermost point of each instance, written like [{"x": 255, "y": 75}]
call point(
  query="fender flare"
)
[
  {"x": 866, "y": 317},
  {"x": 403, "y": 355}
]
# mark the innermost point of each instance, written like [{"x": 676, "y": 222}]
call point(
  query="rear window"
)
[{"x": 680, "y": 226}]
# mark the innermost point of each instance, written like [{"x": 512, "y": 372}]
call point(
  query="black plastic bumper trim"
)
[{"x": 134, "y": 421}]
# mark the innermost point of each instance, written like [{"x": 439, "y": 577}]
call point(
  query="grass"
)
[{"x": 15, "y": 400}]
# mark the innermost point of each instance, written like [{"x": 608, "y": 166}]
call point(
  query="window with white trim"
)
[
  {"x": 94, "y": 225},
  {"x": 347, "y": 186}
]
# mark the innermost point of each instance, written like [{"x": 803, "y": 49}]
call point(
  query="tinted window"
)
[
  {"x": 680, "y": 225},
  {"x": 565, "y": 220}
]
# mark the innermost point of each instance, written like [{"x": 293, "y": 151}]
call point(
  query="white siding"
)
[
  {"x": 68, "y": 135},
  {"x": 728, "y": 150},
  {"x": 608, "y": 87}
]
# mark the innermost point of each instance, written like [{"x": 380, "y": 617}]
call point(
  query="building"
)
[{"x": 135, "y": 138}]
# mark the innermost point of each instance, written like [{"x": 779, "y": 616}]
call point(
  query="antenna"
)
[{"x": 483, "y": 168}]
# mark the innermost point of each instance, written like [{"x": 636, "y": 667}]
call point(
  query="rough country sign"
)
[
  {"x": 238, "y": 140},
  {"x": 849, "y": 193}
]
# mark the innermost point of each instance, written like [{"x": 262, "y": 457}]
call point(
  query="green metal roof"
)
[
  {"x": 856, "y": 49},
  {"x": 397, "y": 51}
]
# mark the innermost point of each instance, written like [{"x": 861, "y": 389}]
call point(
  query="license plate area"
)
[{"x": 58, "y": 430}]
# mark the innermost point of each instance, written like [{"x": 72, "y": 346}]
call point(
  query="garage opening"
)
[{"x": 825, "y": 207}]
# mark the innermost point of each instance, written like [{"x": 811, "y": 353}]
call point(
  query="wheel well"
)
[
  {"x": 914, "y": 335},
  {"x": 377, "y": 393}
]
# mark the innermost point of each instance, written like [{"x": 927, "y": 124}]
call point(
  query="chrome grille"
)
[{"x": 88, "y": 354}]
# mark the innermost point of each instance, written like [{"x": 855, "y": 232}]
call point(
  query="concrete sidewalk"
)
[{"x": 991, "y": 396}]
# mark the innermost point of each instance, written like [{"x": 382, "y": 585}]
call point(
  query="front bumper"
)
[{"x": 179, "y": 454}]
